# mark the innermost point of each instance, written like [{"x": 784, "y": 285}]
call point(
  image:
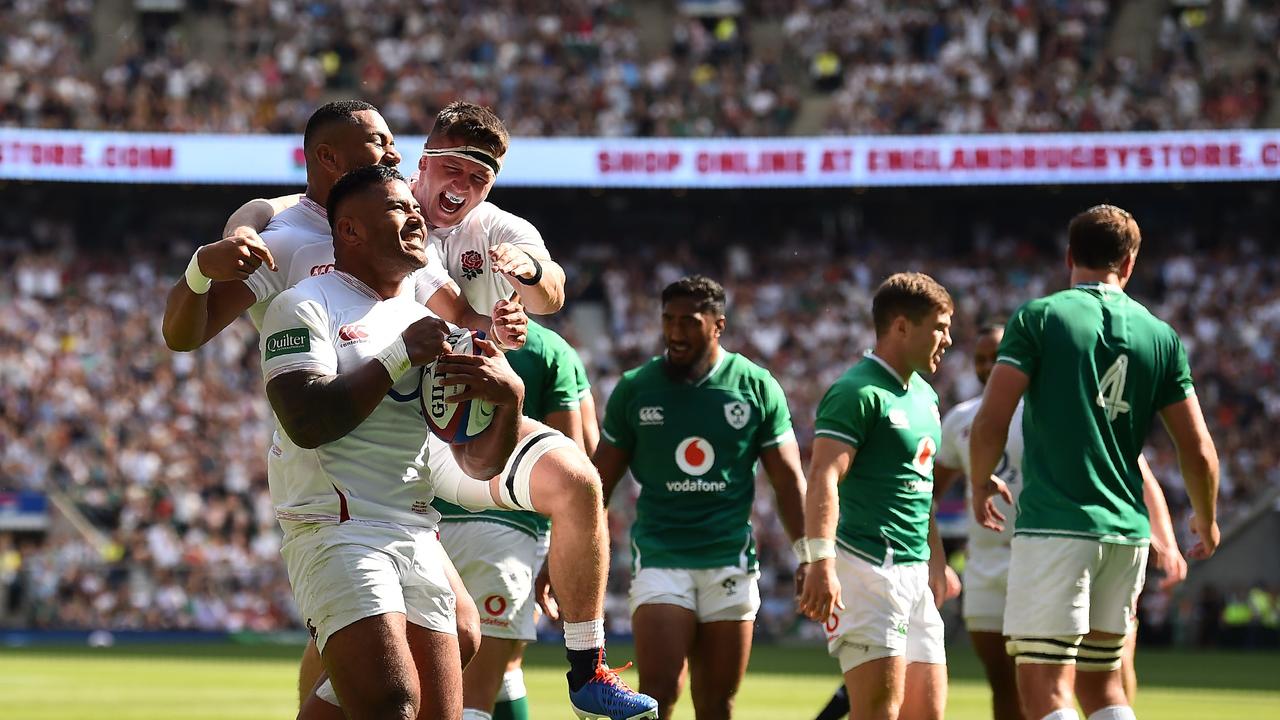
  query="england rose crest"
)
[{"x": 472, "y": 264}]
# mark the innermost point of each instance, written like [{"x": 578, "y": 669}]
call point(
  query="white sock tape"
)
[
  {"x": 196, "y": 280},
  {"x": 821, "y": 549},
  {"x": 395, "y": 358}
]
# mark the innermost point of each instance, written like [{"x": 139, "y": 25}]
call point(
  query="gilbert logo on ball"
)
[{"x": 454, "y": 422}]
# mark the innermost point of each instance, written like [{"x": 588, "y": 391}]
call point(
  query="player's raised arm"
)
[
  {"x": 1198, "y": 460},
  {"x": 830, "y": 461},
  {"x": 537, "y": 279},
  {"x": 212, "y": 293},
  {"x": 255, "y": 215},
  {"x": 988, "y": 437}
]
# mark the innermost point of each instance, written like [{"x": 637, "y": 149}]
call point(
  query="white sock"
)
[
  {"x": 1062, "y": 714},
  {"x": 473, "y": 714},
  {"x": 512, "y": 686},
  {"x": 1114, "y": 712},
  {"x": 584, "y": 635}
]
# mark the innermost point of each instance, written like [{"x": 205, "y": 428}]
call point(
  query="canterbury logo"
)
[
  {"x": 651, "y": 416},
  {"x": 352, "y": 333}
]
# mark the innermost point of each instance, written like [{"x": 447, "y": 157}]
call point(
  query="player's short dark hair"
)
[
  {"x": 992, "y": 326},
  {"x": 707, "y": 293},
  {"x": 1101, "y": 237},
  {"x": 910, "y": 294},
  {"x": 338, "y": 112},
  {"x": 356, "y": 182},
  {"x": 472, "y": 124}
]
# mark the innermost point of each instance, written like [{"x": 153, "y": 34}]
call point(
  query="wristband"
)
[
  {"x": 537, "y": 272},
  {"x": 801, "y": 549},
  {"x": 196, "y": 280},
  {"x": 821, "y": 549},
  {"x": 395, "y": 358}
]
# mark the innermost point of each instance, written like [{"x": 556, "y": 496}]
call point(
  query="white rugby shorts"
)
[
  {"x": 498, "y": 564},
  {"x": 1062, "y": 586},
  {"x": 345, "y": 572},
  {"x": 888, "y": 612},
  {"x": 985, "y": 584},
  {"x": 712, "y": 594}
]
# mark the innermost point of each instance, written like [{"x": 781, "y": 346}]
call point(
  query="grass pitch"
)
[{"x": 194, "y": 682}]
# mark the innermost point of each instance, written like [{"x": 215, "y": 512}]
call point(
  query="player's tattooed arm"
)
[
  {"x": 537, "y": 279},
  {"x": 612, "y": 462},
  {"x": 315, "y": 409}
]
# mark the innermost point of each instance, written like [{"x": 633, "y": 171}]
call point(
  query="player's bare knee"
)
[
  {"x": 572, "y": 485},
  {"x": 393, "y": 698}
]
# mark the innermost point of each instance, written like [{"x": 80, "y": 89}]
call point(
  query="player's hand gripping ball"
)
[{"x": 454, "y": 422}]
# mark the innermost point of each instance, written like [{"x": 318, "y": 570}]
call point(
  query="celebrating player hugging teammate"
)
[
  {"x": 691, "y": 425},
  {"x": 354, "y": 492},
  {"x": 487, "y": 248}
]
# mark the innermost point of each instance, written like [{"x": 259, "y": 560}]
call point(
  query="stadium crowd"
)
[
  {"x": 590, "y": 67},
  {"x": 163, "y": 452}
]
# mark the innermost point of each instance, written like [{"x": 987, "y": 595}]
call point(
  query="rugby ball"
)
[{"x": 454, "y": 422}]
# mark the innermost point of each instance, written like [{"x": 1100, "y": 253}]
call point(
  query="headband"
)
[{"x": 467, "y": 152}]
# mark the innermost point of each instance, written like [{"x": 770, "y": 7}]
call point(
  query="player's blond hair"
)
[{"x": 909, "y": 294}]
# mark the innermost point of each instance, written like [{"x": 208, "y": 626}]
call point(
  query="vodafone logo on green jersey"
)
[{"x": 695, "y": 456}]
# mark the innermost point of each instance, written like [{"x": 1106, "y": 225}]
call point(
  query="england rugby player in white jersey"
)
[
  {"x": 227, "y": 278},
  {"x": 554, "y": 478},
  {"x": 339, "y": 354}
]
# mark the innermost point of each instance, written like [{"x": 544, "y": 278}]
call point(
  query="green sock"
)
[{"x": 517, "y": 709}]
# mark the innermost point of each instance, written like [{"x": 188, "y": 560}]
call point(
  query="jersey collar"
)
[
  {"x": 314, "y": 207},
  {"x": 888, "y": 368},
  {"x": 1104, "y": 287},
  {"x": 714, "y": 367},
  {"x": 357, "y": 284}
]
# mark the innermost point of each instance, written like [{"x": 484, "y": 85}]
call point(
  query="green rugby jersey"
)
[
  {"x": 554, "y": 380},
  {"x": 693, "y": 448},
  {"x": 886, "y": 495},
  {"x": 1100, "y": 367}
]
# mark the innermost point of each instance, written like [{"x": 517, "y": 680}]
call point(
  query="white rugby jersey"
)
[
  {"x": 301, "y": 242},
  {"x": 330, "y": 324},
  {"x": 954, "y": 453},
  {"x": 464, "y": 248}
]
